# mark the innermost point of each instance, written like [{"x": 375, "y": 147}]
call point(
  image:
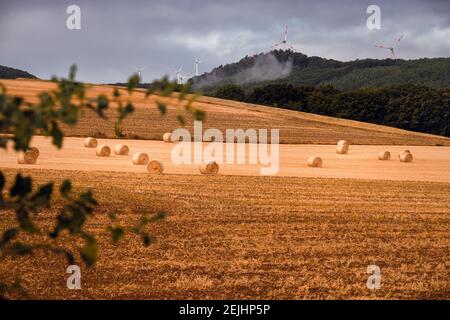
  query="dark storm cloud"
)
[{"x": 118, "y": 36}]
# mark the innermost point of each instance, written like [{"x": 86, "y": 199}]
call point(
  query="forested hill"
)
[
  {"x": 11, "y": 73},
  {"x": 300, "y": 70}
]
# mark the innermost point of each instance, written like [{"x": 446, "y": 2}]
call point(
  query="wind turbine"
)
[
  {"x": 392, "y": 49},
  {"x": 139, "y": 70},
  {"x": 197, "y": 62},
  {"x": 180, "y": 75},
  {"x": 184, "y": 76},
  {"x": 284, "y": 44}
]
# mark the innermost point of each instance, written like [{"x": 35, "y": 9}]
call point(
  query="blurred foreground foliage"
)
[{"x": 19, "y": 121}]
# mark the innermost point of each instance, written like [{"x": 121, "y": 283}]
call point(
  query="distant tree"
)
[
  {"x": 282, "y": 95},
  {"x": 230, "y": 92}
]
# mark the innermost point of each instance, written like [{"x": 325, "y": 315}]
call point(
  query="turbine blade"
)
[
  {"x": 380, "y": 46},
  {"x": 276, "y": 45}
]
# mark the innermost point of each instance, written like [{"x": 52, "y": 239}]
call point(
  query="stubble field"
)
[{"x": 232, "y": 237}]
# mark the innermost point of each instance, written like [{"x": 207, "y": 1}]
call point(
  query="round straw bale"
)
[
  {"x": 35, "y": 150},
  {"x": 384, "y": 155},
  {"x": 343, "y": 143},
  {"x": 155, "y": 167},
  {"x": 167, "y": 137},
  {"x": 403, "y": 151},
  {"x": 140, "y": 158},
  {"x": 406, "y": 157},
  {"x": 315, "y": 162},
  {"x": 27, "y": 157},
  {"x": 210, "y": 168},
  {"x": 103, "y": 151},
  {"x": 90, "y": 142},
  {"x": 121, "y": 149},
  {"x": 342, "y": 149}
]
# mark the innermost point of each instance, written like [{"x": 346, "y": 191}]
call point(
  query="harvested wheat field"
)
[
  {"x": 287, "y": 238},
  {"x": 295, "y": 127}
]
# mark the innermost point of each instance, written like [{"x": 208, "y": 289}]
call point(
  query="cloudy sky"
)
[{"x": 118, "y": 36}]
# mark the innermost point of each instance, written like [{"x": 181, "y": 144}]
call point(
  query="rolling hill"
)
[
  {"x": 11, "y": 73},
  {"x": 300, "y": 70},
  {"x": 295, "y": 127}
]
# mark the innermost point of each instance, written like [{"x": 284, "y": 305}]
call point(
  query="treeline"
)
[{"x": 410, "y": 107}]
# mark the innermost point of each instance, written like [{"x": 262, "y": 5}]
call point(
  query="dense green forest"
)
[
  {"x": 411, "y": 107},
  {"x": 407, "y": 94},
  {"x": 11, "y": 73},
  {"x": 300, "y": 70}
]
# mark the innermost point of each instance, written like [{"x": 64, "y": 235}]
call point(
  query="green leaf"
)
[
  {"x": 21, "y": 249},
  {"x": 69, "y": 114},
  {"x": 191, "y": 101},
  {"x": 118, "y": 130},
  {"x": 157, "y": 217},
  {"x": 25, "y": 223},
  {"x": 116, "y": 93},
  {"x": 147, "y": 239},
  {"x": 2, "y": 183},
  {"x": 80, "y": 91},
  {"x": 168, "y": 88},
  {"x": 88, "y": 198},
  {"x": 89, "y": 252},
  {"x": 42, "y": 197},
  {"x": 112, "y": 216},
  {"x": 3, "y": 142},
  {"x": 162, "y": 108},
  {"x": 133, "y": 82},
  {"x": 8, "y": 235},
  {"x": 22, "y": 186},
  {"x": 72, "y": 72},
  {"x": 185, "y": 89},
  {"x": 65, "y": 189},
  {"x": 180, "y": 119},
  {"x": 199, "y": 115},
  {"x": 102, "y": 105},
  {"x": 69, "y": 257},
  {"x": 124, "y": 112},
  {"x": 117, "y": 233},
  {"x": 56, "y": 134}
]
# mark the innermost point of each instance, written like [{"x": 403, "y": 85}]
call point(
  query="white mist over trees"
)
[{"x": 263, "y": 67}]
